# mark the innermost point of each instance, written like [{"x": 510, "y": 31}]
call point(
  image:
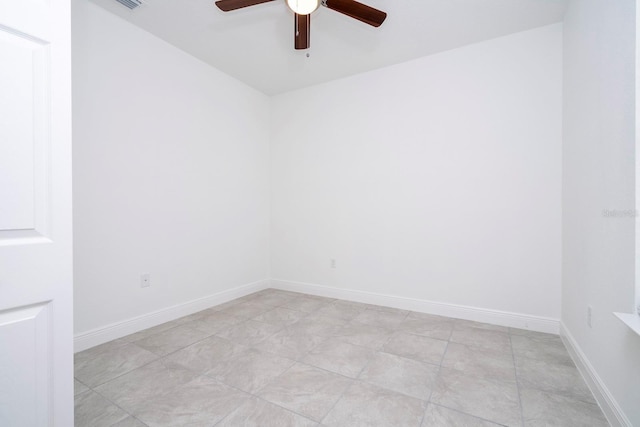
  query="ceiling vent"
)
[{"x": 131, "y": 4}]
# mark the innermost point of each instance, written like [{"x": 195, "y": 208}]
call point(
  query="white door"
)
[{"x": 36, "y": 355}]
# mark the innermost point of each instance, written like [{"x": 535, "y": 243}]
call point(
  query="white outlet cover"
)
[{"x": 145, "y": 280}]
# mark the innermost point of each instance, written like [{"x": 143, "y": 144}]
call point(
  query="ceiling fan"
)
[{"x": 302, "y": 10}]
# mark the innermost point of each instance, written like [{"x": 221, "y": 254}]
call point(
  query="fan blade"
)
[
  {"x": 302, "y": 31},
  {"x": 227, "y": 5},
  {"x": 359, "y": 11}
]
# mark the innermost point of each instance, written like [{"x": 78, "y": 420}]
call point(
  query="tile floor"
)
[{"x": 277, "y": 358}]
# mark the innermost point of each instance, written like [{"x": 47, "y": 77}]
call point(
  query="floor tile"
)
[
  {"x": 273, "y": 299},
  {"x": 417, "y": 347},
  {"x": 410, "y": 377},
  {"x": 342, "y": 310},
  {"x": 78, "y": 387},
  {"x": 462, "y": 325},
  {"x": 207, "y": 354},
  {"x": 259, "y": 413},
  {"x": 305, "y": 304},
  {"x": 366, "y": 405},
  {"x": 110, "y": 363},
  {"x": 380, "y": 318},
  {"x": 247, "y": 309},
  {"x": 149, "y": 332},
  {"x": 171, "y": 340},
  {"x": 280, "y": 316},
  {"x": 315, "y": 324},
  {"x": 249, "y": 332},
  {"x": 339, "y": 357},
  {"x": 533, "y": 334},
  {"x": 202, "y": 401},
  {"x": 280, "y": 358},
  {"x": 492, "y": 400},
  {"x": 194, "y": 316},
  {"x": 213, "y": 322},
  {"x": 273, "y": 291},
  {"x": 92, "y": 352},
  {"x": 482, "y": 338},
  {"x": 370, "y": 336},
  {"x": 541, "y": 409},
  {"x": 291, "y": 343},
  {"x": 319, "y": 298},
  {"x": 129, "y": 422},
  {"x": 93, "y": 410},
  {"x": 387, "y": 309},
  {"x": 253, "y": 295},
  {"x": 552, "y": 377},
  {"x": 439, "y": 416},
  {"x": 306, "y": 390},
  {"x": 416, "y": 315},
  {"x": 480, "y": 362},
  {"x": 132, "y": 391},
  {"x": 431, "y": 326},
  {"x": 347, "y": 303},
  {"x": 548, "y": 349},
  {"x": 250, "y": 370}
]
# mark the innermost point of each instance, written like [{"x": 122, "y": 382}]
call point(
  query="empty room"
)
[{"x": 319, "y": 213}]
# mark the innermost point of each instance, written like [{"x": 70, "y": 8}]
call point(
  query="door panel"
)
[
  {"x": 24, "y": 370},
  {"x": 24, "y": 132},
  {"x": 36, "y": 338}
]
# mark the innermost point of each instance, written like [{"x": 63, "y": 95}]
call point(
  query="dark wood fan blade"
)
[
  {"x": 302, "y": 31},
  {"x": 359, "y": 11},
  {"x": 227, "y": 5}
]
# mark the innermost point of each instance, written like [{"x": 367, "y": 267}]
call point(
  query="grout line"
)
[
  {"x": 374, "y": 351},
  {"x": 467, "y": 414},
  {"x": 437, "y": 377},
  {"x": 515, "y": 371},
  {"x": 424, "y": 413},
  {"x": 139, "y": 420},
  {"x": 224, "y": 384},
  {"x": 129, "y": 371},
  {"x": 265, "y": 400},
  {"x": 338, "y": 399},
  {"x": 366, "y": 365},
  {"x": 159, "y": 358},
  {"x": 325, "y": 370},
  {"x": 117, "y": 405},
  {"x": 76, "y": 379},
  {"x": 286, "y": 409}
]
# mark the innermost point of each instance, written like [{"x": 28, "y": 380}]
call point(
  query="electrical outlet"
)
[
  {"x": 589, "y": 310},
  {"x": 145, "y": 280},
  {"x": 332, "y": 262}
]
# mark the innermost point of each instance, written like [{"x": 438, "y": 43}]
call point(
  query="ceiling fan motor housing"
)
[{"x": 303, "y": 9}]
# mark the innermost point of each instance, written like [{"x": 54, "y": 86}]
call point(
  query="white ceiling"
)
[{"x": 255, "y": 44}]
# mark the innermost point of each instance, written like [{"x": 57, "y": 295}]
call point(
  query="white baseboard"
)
[
  {"x": 116, "y": 330},
  {"x": 612, "y": 411},
  {"x": 496, "y": 317}
]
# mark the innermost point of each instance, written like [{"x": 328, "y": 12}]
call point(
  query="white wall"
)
[
  {"x": 598, "y": 174},
  {"x": 170, "y": 174},
  {"x": 436, "y": 179}
]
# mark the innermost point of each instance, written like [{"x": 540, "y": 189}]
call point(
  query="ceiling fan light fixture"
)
[{"x": 303, "y": 7}]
